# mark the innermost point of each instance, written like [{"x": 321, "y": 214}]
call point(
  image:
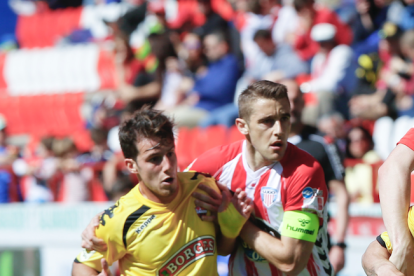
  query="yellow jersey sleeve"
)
[
  {"x": 384, "y": 239},
  {"x": 411, "y": 220},
  {"x": 110, "y": 230}
]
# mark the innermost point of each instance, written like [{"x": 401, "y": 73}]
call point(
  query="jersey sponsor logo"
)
[
  {"x": 307, "y": 192},
  {"x": 194, "y": 250},
  {"x": 145, "y": 224},
  {"x": 300, "y": 230},
  {"x": 268, "y": 196},
  {"x": 85, "y": 255},
  {"x": 251, "y": 254},
  {"x": 108, "y": 212},
  {"x": 200, "y": 211}
]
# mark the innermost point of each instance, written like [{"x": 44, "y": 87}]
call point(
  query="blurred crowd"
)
[{"x": 352, "y": 59}]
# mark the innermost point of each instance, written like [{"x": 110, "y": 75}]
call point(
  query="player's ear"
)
[
  {"x": 242, "y": 126},
  {"x": 131, "y": 165}
]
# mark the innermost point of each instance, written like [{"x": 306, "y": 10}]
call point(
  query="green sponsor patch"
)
[{"x": 300, "y": 225}]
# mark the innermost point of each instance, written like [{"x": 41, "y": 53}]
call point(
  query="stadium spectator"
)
[
  {"x": 212, "y": 89},
  {"x": 359, "y": 176},
  {"x": 332, "y": 72},
  {"x": 368, "y": 104},
  {"x": 324, "y": 150},
  {"x": 370, "y": 18},
  {"x": 273, "y": 62},
  {"x": 395, "y": 203},
  {"x": 73, "y": 186},
  {"x": 163, "y": 210},
  {"x": 214, "y": 22},
  {"x": 401, "y": 13},
  {"x": 333, "y": 124},
  {"x": 308, "y": 17},
  {"x": 8, "y": 153},
  {"x": 37, "y": 173},
  {"x": 122, "y": 186}
]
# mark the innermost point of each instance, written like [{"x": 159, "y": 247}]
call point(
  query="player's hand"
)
[
  {"x": 89, "y": 239},
  {"x": 105, "y": 268},
  {"x": 388, "y": 270},
  {"x": 337, "y": 258},
  {"x": 403, "y": 259},
  {"x": 243, "y": 203},
  {"x": 210, "y": 201}
]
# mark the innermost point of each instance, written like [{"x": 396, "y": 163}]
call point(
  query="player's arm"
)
[
  {"x": 289, "y": 254},
  {"x": 394, "y": 190},
  {"x": 375, "y": 261},
  {"x": 84, "y": 270},
  {"x": 233, "y": 214},
  {"x": 110, "y": 231},
  {"x": 337, "y": 254}
]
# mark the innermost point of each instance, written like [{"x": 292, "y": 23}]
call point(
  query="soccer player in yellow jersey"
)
[
  {"x": 376, "y": 258},
  {"x": 156, "y": 228}
]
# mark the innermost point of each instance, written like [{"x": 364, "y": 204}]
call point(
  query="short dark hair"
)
[
  {"x": 300, "y": 4},
  {"x": 221, "y": 37},
  {"x": 264, "y": 34},
  {"x": 261, "y": 89},
  {"x": 145, "y": 123}
]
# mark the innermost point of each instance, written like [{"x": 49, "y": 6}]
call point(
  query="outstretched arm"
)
[
  {"x": 395, "y": 189},
  {"x": 375, "y": 261}
]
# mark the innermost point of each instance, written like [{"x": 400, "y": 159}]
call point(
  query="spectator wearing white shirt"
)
[{"x": 332, "y": 72}]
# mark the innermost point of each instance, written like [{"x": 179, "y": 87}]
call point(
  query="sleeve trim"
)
[
  {"x": 381, "y": 242},
  {"x": 130, "y": 220}
]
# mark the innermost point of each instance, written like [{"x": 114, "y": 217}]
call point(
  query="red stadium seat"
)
[
  {"x": 44, "y": 29},
  {"x": 183, "y": 147}
]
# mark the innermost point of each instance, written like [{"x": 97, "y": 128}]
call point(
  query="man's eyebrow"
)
[{"x": 156, "y": 146}]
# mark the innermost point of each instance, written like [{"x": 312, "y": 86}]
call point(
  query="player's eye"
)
[{"x": 156, "y": 159}]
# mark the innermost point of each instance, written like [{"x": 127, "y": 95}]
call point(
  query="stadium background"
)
[{"x": 57, "y": 68}]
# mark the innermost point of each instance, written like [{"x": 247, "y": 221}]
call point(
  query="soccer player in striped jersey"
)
[
  {"x": 156, "y": 229},
  {"x": 288, "y": 235}
]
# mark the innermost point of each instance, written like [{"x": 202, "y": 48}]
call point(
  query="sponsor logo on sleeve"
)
[
  {"x": 108, "y": 212},
  {"x": 194, "y": 250},
  {"x": 85, "y": 255},
  {"x": 268, "y": 196},
  {"x": 307, "y": 192}
]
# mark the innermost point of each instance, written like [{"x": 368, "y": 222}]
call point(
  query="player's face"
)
[
  {"x": 269, "y": 128},
  {"x": 157, "y": 169}
]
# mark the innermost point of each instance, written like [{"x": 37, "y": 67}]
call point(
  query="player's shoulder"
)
[
  {"x": 119, "y": 212},
  {"x": 213, "y": 159},
  {"x": 191, "y": 179},
  {"x": 296, "y": 158},
  {"x": 225, "y": 152}
]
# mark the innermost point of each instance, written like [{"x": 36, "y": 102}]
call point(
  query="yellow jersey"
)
[
  {"x": 384, "y": 239},
  {"x": 151, "y": 238}
]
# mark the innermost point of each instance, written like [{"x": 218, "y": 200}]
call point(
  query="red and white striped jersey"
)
[{"x": 295, "y": 183}]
